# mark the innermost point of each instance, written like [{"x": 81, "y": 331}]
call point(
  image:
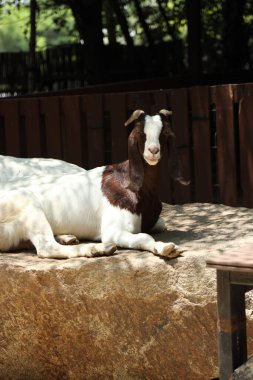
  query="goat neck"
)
[
  {"x": 144, "y": 201},
  {"x": 151, "y": 176},
  {"x": 149, "y": 203}
]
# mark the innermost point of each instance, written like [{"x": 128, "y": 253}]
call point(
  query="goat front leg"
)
[
  {"x": 41, "y": 236},
  {"x": 141, "y": 241},
  {"x": 121, "y": 227},
  {"x": 53, "y": 250},
  {"x": 47, "y": 247}
]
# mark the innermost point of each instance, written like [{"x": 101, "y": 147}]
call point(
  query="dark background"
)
[{"x": 180, "y": 43}]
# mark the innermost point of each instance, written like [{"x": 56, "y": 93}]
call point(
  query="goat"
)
[{"x": 116, "y": 204}]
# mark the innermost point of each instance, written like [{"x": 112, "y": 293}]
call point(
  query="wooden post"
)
[{"x": 231, "y": 325}]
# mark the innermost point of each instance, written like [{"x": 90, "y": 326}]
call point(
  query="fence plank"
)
[
  {"x": 226, "y": 145},
  {"x": 158, "y": 101},
  {"x": 199, "y": 97},
  {"x": 95, "y": 131},
  {"x": 50, "y": 108},
  {"x": 138, "y": 100},
  {"x": 180, "y": 117},
  {"x": 246, "y": 144},
  {"x": 29, "y": 110},
  {"x": 9, "y": 110},
  {"x": 71, "y": 129},
  {"x": 115, "y": 104},
  {"x": 84, "y": 134}
]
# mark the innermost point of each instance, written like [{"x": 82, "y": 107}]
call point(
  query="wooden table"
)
[{"x": 234, "y": 278}]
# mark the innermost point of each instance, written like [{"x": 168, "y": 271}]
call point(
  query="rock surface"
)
[{"x": 129, "y": 316}]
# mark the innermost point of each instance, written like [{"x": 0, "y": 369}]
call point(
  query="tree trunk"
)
[
  {"x": 88, "y": 16},
  {"x": 162, "y": 11},
  {"x": 234, "y": 40},
  {"x": 122, "y": 21},
  {"x": 143, "y": 23},
  {"x": 193, "y": 10},
  {"x": 110, "y": 22},
  {"x": 32, "y": 48}
]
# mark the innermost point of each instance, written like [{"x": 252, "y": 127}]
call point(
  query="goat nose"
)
[{"x": 153, "y": 149}]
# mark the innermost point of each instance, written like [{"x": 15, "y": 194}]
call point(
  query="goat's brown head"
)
[{"x": 149, "y": 138}]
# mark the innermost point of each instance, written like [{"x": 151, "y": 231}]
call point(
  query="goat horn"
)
[
  {"x": 165, "y": 112},
  {"x": 133, "y": 117}
]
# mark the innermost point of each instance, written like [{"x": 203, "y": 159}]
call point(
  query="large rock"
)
[{"x": 129, "y": 316}]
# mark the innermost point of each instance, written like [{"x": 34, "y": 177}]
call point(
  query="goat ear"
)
[
  {"x": 135, "y": 115},
  {"x": 136, "y": 170},
  {"x": 165, "y": 113},
  {"x": 174, "y": 162}
]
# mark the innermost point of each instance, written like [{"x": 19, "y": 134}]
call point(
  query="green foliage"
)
[
  {"x": 55, "y": 25},
  {"x": 212, "y": 34},
  {"x": 175, "y": 27},
  {"x": 166, "y": 20},
  {"x": 13, "y": 26}
]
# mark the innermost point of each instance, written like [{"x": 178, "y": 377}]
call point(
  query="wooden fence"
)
[
  {"x": 213, "y": 125},
  {"x": 65, "y": 66}
]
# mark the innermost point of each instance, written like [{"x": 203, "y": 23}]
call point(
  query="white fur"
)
[
  {"x": 152, "y": 129},
  {"x": 12, "y": 167}
]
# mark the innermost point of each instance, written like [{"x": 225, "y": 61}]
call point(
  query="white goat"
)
[{"x": 115, "y": 204}]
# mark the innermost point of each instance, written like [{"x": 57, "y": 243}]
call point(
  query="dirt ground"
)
[{"x": 207, "y": 228}]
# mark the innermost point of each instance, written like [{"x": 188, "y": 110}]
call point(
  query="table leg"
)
[{"x": 232, "y": 334}]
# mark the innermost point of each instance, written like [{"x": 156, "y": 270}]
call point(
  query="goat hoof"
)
[
  {"x": 105, "y": 249},
  {"x": 110, "y": 249},
  {"x": 66, "y": 239},
  {"x": 169, "y": 250}
]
